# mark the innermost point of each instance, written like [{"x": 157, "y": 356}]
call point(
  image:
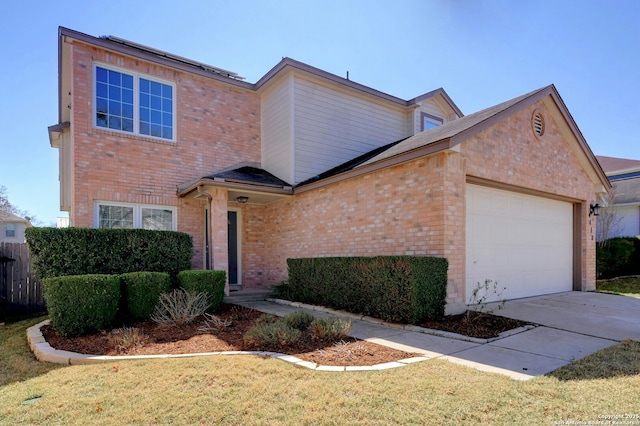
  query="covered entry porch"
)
[{"x": 233, "y": 220}]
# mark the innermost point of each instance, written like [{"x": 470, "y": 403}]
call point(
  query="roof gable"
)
[{"x": 453, "y": 133}]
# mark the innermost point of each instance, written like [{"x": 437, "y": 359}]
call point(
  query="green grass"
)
[
  {"x": 624, "y": 286},
  {"x": 249, "y": 390}
]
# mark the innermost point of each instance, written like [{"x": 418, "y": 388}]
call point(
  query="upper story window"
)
[
  {"x": 10, "y": 230},
  {"x": 428, "y": 121},
  {"x": 131, "y": 103}
]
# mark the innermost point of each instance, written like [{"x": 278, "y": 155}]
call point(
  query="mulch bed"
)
[
  {"x": 193, "y": 339},
  {"x": 483, "y": 326}
]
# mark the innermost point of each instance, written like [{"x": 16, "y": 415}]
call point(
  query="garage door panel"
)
[{"x": 523, "y": 242}]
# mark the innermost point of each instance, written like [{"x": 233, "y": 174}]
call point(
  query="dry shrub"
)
[
  {"x": 179, "y": 307},
  {"x": 122, "y": 339}
]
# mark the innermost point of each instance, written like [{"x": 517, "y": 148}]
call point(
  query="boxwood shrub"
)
[
  {"x": 78, "y": 251},
  {"x": 406, "y": 289},
  {"x": 82, "y": 304},
  {"x": 210, "y": 282},
  {"x": 141, "y": 292},
  {"x": 617, "y": 257}
]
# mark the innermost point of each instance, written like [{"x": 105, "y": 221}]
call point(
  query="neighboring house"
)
[
  {"x": 304, "y": 163},
  {"x": 12, "y": 228},
  {"x": 624, "y": 175}
]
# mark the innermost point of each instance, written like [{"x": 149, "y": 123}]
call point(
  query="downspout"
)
[{"x": 207, "y": 227}]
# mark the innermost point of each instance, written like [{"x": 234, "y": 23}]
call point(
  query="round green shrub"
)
[
  {"x": 82, "y": 304},
  {"x": 142, "y": 290},
  {"x": 203, "y": 281}
]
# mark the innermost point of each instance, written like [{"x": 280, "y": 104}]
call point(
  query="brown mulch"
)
[
  {"x": 483, "y": 326},
  {"x": 193, "y": 339}
]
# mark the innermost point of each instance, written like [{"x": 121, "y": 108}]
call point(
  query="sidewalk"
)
[{"x": 521, "y": 355}]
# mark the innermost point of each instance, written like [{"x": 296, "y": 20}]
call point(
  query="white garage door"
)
[{"x": 522, "y": 242}]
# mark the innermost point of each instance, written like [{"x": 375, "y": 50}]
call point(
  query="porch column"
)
[{"x": 219, "y": 230}]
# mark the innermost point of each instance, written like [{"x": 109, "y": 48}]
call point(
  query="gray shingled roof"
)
[
  {"x": 248, "y": 174},
  {"x": 451, "y": 129},
  {"x": 627, "y": 191},
  {"x": 615, "y": 164}
]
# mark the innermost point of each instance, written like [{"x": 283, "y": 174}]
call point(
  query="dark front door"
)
[{"x": 232, "y": 218}]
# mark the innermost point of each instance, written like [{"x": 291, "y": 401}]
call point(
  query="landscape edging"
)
[{"x": 45, "y": 353}]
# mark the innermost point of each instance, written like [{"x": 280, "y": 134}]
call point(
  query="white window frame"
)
[
  {"x": 137, "y": 212},
  {"x": 136, "y": 101},
  {"x": 10, "y": 227}
]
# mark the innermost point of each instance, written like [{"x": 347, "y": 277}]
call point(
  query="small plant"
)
[
  {"x": 481, "y": 296},
  {"x": 267, "y": 319},
  {"x": 125, "y": 338},
  {"x": 213, "y": 323},
  {"x": 329, "y": 328},
  {"x": 179, "y": 307},
  {"x": 269, "y": 335},
  {"x": 299, "y": 320},
  {"x": 240, "y": 313}
]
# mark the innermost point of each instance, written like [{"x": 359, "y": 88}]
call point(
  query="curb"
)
[
  {"x": 406, "y": 327},
  {"x": 45, "y": 353}
]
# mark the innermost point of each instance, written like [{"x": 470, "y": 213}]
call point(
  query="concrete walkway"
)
[{"x": 571, "y": 326}]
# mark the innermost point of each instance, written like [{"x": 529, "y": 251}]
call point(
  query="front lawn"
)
[
  {"x": 623, "y": 286},
  {"x": 250, "y": 390}
]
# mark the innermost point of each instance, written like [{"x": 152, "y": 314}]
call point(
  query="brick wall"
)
[
  {"x": 510, "y": 153},
  {"x": 398, "y": 210},
  {"x": 419, "y": 207},
  {"x": 217, "y": 126}
]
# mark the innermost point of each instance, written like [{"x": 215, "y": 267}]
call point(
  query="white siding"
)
[
  {"x": 430, "y": 107},
  {"x": 332, "y": 127},
  {"x": 19, "y": 229},
  {"x": 629, "y": 225},
  {"x": 277, "y": 130}
]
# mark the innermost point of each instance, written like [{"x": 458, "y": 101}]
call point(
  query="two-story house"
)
[
  {"x": 12, "y": 227},
  {"x": 303, "y": 163},
  {"x": 623, "y": 215}
]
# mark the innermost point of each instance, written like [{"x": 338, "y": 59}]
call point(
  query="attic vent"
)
[{"x": 538, "y": 124}]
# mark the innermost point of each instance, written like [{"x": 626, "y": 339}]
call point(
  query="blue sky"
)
[{"x": 481, "y": 52}]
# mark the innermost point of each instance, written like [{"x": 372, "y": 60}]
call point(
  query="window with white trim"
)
[
  {"x": 127, "y": 216},
  {"x": 10, "y": 230},
  {"x": 129, "y": 102}
]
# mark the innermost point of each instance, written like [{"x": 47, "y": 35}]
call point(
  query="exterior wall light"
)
[
  {"x": 242, "y": 200},
  {"x": 594, "y": 209}
]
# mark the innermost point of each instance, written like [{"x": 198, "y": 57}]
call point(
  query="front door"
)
[{"x": 232, "y": 218}]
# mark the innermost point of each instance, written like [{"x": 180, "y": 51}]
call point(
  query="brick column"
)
[{"x": 219, "y": 242}]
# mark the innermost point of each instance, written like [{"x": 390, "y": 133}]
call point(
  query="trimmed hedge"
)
[
  {"x": 618, "y": 257},
  {"x": 210, "y": 282},
  {"x": 141, "y": 292},
  {"x": 80, "y": 251},
  {"x": 406, "y": 289},
  {"x": 82, "y": 304}
]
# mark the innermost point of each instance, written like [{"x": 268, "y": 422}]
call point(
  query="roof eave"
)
[
  {"x": 292, "y": 63},
  {"x": 438, "y": 92},
  {"x": 147, "y": 56},
  {"x": 186, "y": 189},
  {"x": 423, "y": 151}
]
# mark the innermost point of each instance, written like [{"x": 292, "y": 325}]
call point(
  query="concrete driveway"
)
[
  {"x": 601, "y": 315},
  {"x": 571, "y": 326}
]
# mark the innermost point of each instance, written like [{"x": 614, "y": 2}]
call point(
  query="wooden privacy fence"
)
[{"x": 18, "y": 288}]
